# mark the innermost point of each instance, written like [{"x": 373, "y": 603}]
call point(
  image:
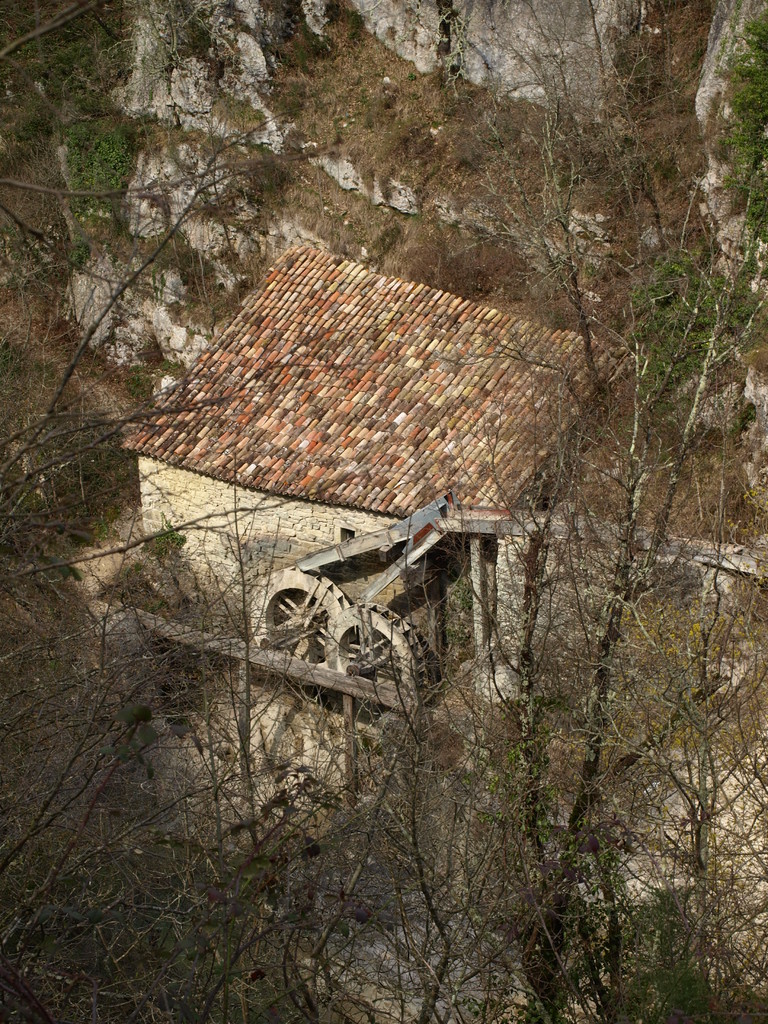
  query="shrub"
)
[
  {"x": 100, "y": 160},
  {"x": 750, "y": 114},
  {"x": 678, "y": 309},
  {"x": 169, "y": 541}
]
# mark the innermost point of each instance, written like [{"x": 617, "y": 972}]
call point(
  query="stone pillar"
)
[
  {"x": 436, "y": 590},
  {"x": 483, "y": 555},
  {"x": 350, "y": 749}
]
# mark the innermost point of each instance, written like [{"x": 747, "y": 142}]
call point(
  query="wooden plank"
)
[
  {"x": 498, "y": 524},
  {"x": 385, "y": 538},
  {"x": 730, "y": 558},
  {"x": 276, "y": 662},
  {"x": 408, "y": 558}
]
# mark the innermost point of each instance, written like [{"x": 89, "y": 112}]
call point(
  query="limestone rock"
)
[
  {"x": 177, "y": 342},
  {"x": 756, "y": 392},
  {"x": 475, "y": 216},
  {"x": 390, "y": 193},
  {"x": 253, "y": 63},
  {"x": 251, "y": 13},
  {"x": 177, "y": 191},
  {"x": 396, "y": 195},
  {"x": 447, "y": 211},
  {"x": 590, "y": 232},
  {"x": 314, "y": 15},
  {"x": 342, "y": 172},
  {"x": 285, "y": 232},
  {"x": 525, "y": 48},
  {"x": 408, "y": 27},
  {"x": 650, "y": 238},
  {"x": 122, "y": 324},
  {"x": 146, "y": 205},
  {"x": 147, "y": 92},
  {"x": 192, "y": 92},
  {"x": 91, "y": 295},
  {"x": 168, "y": 287},
  {"x": 726, "y": 36}
]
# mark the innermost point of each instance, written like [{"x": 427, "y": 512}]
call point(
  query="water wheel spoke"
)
[
  {"x": 375, "y": 639},
  {"x": 295, "y": 616}
]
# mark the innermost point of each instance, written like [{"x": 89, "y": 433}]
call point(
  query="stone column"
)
[{"x": 483, "y": 555}]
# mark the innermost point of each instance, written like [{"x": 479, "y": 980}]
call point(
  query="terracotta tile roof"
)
[{"x": 340, "y": 385}]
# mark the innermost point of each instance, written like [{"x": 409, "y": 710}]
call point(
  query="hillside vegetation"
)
[{"x": 592, "y": 846}]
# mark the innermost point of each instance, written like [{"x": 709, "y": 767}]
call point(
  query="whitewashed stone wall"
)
[
  {"x": 225, "y": 527},
  {"x": 223, "y": 524}
]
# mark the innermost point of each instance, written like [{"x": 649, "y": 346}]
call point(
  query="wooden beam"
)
[
  {"x": 474, "y": 522},
  {"x": 407, "y": 530},
  {"x": 410, "y": 557},
  {"x": 731, "y": 558},
  {"x": 276, "y": 662}
]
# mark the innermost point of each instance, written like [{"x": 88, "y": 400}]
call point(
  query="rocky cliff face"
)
[
  {"x": 713, "y": 112},
  {"x": 756, "y": 392},
  {"x": 210, "y": 81},
  {"x": 204, "y": 76},
  {"x": 527, "y": 50},
  {"x": 201, "y": 90}
]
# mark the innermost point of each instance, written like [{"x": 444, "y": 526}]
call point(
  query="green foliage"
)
[
  {"x": 748, "y": 137},
  {"x": 355, "y": 25},
  {"x": 677, "y": 312},
  {"x": 666, "y": 984},
  {"x": 35, "y": 120},
  {"x": 746, "y": 417},
  {"x": 169, "y": 541},
  {"x": 139, "y": 382},
  {"x": 100, "y": 158},
  {"x": 304, "y": 50},
  {"x": 173, "y": 367},
  {"x": 73, "y": 71},
  {"x": 343, "y": 14},
  {"x": 458, "y": 618},
  {"x": 307, "y": 48},
  {"x": 79, "y": 254}
]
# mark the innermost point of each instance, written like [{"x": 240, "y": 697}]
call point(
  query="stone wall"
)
[{"x": 225, "y": 526}]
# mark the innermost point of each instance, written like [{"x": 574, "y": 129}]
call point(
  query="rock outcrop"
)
[
  {"x": 390, "y": 192},
  {"x": 713, "y": 112},
  {"x": 207, "y": 90},
  {"x": 528, "y": 50},
  {"x": 756, "y": 392},
  {"x": 124, "y": 322}
]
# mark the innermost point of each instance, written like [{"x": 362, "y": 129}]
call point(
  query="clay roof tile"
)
[{"x": 346, "y": 386}]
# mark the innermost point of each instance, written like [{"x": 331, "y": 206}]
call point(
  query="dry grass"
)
[
  {"x": 363, "y": 103},
  {"x": 757, "y": 359}
]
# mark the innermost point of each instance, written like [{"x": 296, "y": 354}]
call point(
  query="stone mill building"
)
[{"x": 339, "y": 441}]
